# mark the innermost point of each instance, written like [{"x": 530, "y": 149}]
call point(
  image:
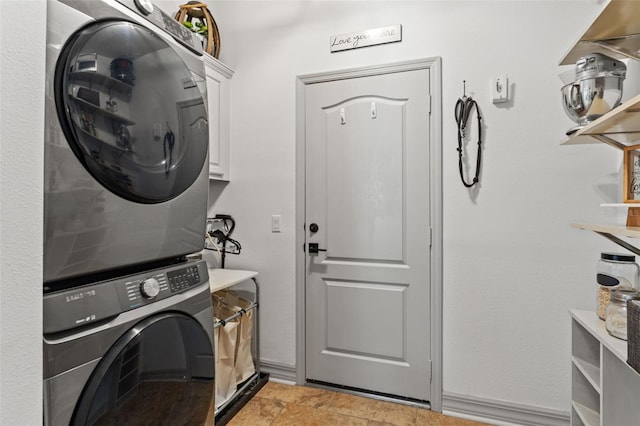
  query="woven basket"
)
[
  {"x": 196, "y": 11},
  {"x": 633, "y": 334}
]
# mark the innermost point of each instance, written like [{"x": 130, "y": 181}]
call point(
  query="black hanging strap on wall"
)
[{"x": 462, "y": 112}]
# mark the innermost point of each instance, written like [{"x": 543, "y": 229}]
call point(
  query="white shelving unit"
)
[{"x": 604, "y": 389}]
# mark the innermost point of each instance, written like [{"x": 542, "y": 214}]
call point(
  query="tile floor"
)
[{"x": 285, "y": 405}]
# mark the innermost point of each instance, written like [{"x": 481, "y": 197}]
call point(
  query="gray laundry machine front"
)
[
  {"x": 137, "y": 350},
  {"x": 126, "y": 139}
]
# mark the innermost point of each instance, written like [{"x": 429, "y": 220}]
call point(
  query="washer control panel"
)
[
  {"x": 145, "y": 289},
  {"x": 184, "y": 278},
  {"x": 80, "y": 306}
]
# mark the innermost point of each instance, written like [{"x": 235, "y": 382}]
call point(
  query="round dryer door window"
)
[
  {"x": 161, "y": 372},
  {"x": 132, "y": 111}
]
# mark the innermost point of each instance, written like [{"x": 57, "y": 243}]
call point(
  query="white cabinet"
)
[
  {"x": 604, "y": 388},
  {"x": 218, "y": 105}
]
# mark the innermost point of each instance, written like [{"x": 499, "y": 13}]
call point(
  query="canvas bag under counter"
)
[
  {"x": 244, "y": 364},
  {"x": 225, "y": 337}
]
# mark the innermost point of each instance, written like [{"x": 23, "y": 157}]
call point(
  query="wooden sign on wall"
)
[
  {"x": 365, "y": 38},
  {"x": 631, "y": 176}
]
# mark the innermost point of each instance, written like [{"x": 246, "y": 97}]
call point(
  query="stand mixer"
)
[{"x": 596, "y": 90}]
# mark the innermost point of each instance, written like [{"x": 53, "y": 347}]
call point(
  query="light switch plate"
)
[
  {"x": 275, "y": 223},
  {"x": 500, "y": 89}
]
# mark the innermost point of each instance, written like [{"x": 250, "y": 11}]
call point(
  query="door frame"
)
[{"x": 434, "y": 65}]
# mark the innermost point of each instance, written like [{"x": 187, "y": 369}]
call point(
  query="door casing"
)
[{"x": 435, "y": 149}]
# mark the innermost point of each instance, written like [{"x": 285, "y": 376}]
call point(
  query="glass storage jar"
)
[
  {"x": 615, "y": 271},
  {"x": 616, "y": 313}
]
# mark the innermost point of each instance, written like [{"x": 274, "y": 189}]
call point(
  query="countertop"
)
[{"x": 223, "y": 278}]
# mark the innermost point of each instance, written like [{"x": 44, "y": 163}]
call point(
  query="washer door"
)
[
  {"x": 160, "y": 372},
  {"x": 132, "y": 111}
]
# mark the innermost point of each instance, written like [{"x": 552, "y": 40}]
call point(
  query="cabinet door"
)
[{"x": 219, "y": 96}]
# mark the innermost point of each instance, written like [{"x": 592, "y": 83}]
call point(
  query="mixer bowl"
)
[{"x": 586, "y": 100}]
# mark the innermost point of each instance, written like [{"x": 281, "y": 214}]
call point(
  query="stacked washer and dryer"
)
[{"x": 127, "y": 317}]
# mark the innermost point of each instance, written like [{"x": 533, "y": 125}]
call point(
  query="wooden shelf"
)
[
  {"x": 620, "y": 230},
  {"x": 619, "y": 127},
  {"x": 614, "y": 33},
  {"x": 613, "y": 232}
]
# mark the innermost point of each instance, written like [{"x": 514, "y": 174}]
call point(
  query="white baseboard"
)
[
  {"x": 501, "y": 412},
  {"x": 278, "y": 372}
]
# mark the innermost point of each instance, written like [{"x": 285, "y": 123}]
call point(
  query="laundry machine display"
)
[
  {"x": 126, "y": 138},
  {"x": 136, "y": 350}
]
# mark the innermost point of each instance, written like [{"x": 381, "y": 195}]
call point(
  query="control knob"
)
[
  {"x": 144, "y": 6},
  {"x": 150, "y": 288}
]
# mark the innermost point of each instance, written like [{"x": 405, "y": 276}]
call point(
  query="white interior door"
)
[{"x": 367, "y": 204}]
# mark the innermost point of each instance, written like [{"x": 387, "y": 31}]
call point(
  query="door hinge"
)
[
  {"x": 429, "y": 105},
  {"x": 430, "y": 236},
  {"x": 430, "y": 372}
]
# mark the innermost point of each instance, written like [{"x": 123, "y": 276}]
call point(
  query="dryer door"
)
[
  {"x": 160, "y": 372},
  {"x": 132, "y": 111}
]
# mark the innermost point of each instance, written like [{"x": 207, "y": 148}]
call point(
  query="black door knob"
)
[
  {"x": 313, "y": 227},
  {"x": 314, "y": 249}
]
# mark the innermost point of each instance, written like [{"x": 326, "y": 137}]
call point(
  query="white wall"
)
[
  {"x": 21, "y": 169},
  {"x": 512, "y": 264}
]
